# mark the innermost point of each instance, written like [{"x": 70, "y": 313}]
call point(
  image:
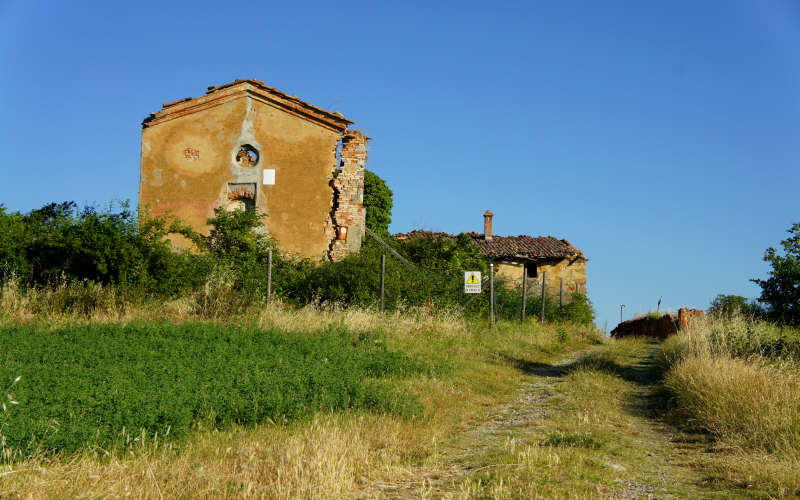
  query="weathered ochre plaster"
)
[
  {"x": 572, "y": 273},
  {"x": 189, "y": 167},
  {"x": 189, "y": 187},
  {"x": 304, "y": 158}
]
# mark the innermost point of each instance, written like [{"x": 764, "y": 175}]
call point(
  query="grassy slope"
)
[{"x": 330, "y": 454}]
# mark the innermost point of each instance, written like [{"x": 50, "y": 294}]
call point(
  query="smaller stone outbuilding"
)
[
  {"x": 529, "y": 256},
  {"x": 657, "y": 326}
]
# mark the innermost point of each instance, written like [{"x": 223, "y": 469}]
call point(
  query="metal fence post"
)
[
  {"x": 491, "y": 295},
  {"x": 383, "y": 273},
  {"x": 544, "y": 293},
  {"x": 561, "y": 294},
  {"x": 269, "y": 274},
  {"x": 524, "y": 289}
]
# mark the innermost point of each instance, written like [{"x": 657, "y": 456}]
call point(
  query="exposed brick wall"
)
[
  {"x": 348, "y": 188},
  {"x": 686, "y": 315}
]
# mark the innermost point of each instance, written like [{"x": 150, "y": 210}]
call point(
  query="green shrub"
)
[
  {"x": 82, "y": 385},
  {"x": 70, "y": 251},
  {"x": 576, "y": 309},
  {"x": 437, "y": 272},
  {"x": 60, "y": 242},
  {"x": 728, "y": 305}
]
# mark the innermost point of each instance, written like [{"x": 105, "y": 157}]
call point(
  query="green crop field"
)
[{"x": 94, "y": 384}]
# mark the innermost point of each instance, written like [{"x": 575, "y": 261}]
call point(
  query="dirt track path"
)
[
  {"x": 457, "y": 458},
  {"x": 644, "y": 458}
]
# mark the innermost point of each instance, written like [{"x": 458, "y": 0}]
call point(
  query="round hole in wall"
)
[{"x": 247, "y": 156}]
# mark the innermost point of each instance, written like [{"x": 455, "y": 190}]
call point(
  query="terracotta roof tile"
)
[{"x": 511, "y": 247}]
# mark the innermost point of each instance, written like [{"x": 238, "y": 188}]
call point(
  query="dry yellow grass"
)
[
  {"x": 325, "y": 458},
  {"x": 726, "y": 336},
  {"x": 743, "y": 403},
  {"x": 726, "y": 376}
]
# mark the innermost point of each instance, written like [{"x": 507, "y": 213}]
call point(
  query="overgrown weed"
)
[
  {"x": 736, "y": 377},
  {"x": 742, "y": 403}
]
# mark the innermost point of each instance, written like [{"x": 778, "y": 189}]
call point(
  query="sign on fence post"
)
[{"x": 472, "y": 282}]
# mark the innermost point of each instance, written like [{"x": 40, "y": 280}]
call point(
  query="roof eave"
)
[{"x": 255, "y": 89}]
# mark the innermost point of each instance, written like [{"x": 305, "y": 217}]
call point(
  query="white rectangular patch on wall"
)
[{"x": 269, "y": 177}]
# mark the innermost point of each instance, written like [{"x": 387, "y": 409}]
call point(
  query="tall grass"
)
[
  {"x": 736, "y": 335},
  {"x": 741, "y": 402},
  {"x": 737, "y": 378},
  {"x": 85, "y": 299}
]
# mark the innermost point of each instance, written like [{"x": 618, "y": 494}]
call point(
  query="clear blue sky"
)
[{"x": 661, "y": 138}]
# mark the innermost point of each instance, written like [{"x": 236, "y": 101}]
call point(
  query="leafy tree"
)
[
  {"x": 378, "y": 202},
  {"x": 12, "y": 239},
  {"x": 781, "y": 290},
  {"x": 725, "y": 305}
]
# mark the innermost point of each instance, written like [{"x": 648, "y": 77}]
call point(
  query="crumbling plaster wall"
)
[
  {"x": 189, "y": 166},
  {"x": 573, "y": 273},
  {"x": 185, "y": 163}
]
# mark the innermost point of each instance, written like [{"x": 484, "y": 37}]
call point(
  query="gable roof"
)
[
  {"x": 220, "y": 94},
  {"x": 520, "y": 247}
]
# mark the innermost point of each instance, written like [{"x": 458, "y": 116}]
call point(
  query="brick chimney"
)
[{"x": 487, "y": 225}]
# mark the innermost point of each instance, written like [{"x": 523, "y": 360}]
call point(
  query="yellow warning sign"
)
[{"x": 472, "y": 282}]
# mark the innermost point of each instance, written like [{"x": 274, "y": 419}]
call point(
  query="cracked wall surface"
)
[
  {"x": 248, "y": 145},
  {"x": 348, "y": 211}
]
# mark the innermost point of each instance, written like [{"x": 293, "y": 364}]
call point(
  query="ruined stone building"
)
[
  {"x": 246, "y": 145},
  {"x": 533, "y": 256}
]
